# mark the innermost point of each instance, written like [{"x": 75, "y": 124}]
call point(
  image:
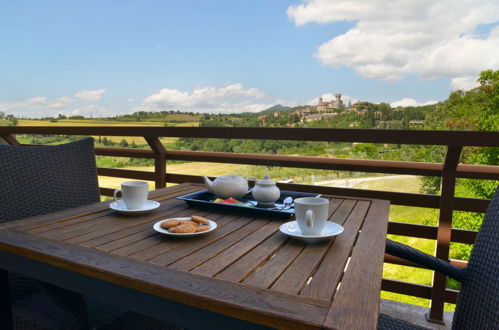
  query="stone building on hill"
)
[
  {"x": 302, "y": 112},
  {"x": 323, "y": 106},
  {"x": 318, "y": 116}
]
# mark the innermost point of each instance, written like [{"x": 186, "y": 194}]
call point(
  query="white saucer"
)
[
  {"x": 121, "y": 208},
  {"x": 157, "y": 227},
  {"x": 291, "y": 229}
]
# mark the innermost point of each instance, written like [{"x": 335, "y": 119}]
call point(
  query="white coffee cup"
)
[
  {"x": 311, "y": 214},
  {"x": 133, "y": 194}
]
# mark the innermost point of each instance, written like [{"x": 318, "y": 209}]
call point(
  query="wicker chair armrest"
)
[{"x": 406, "y": 252}]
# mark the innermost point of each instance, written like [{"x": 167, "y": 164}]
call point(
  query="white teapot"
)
[
  {"x": 265, "y": 191},
  {"x": 226, "y": 186}
]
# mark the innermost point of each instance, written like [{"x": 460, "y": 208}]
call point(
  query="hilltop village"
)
[
  {"x": 336, "y": 114},
  {"x": 324, "y": 110}
]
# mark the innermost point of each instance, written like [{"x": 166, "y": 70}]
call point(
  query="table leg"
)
[{"x": 5, "y": 307}]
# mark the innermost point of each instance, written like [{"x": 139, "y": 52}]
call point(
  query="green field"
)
[
  {"x": 210, "y": 169},
  {"x": 86, "y": 122},
  {"x": 190, "y": 121}
]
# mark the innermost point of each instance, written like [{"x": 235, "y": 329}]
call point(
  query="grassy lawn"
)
[
  {"x": 210, "y": 169},
  {"x": 86, "y": 122},
  {"x": 138, "y": 140},
  {"x": 188, "y": 124},
  {"x": 407, "y": 184},
  {"x": 100, "y": 122}
]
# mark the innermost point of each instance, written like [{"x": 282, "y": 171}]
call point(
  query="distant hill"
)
[{"x": 276, "y": 107}]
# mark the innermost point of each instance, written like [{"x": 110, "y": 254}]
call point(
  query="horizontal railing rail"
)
[
  {"x": 449, "y": 170},
  {"x": 422, "y": 137}
]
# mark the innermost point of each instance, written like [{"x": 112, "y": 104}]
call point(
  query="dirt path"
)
[{"x": 349, "y": 183}]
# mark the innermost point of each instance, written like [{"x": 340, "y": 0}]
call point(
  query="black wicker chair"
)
[
  {"x": 39, "y": 180},
  {"x": 43, "y": 179},
  {"x": 477, "y": 305}
]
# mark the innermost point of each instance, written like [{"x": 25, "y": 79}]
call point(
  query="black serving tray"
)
[{"x": 204, "y": 199}]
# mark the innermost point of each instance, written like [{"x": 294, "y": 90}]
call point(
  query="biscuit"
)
[
  {"x": 200, "y": 220},
  {"x": 202, "y": 228},
  {"x": 170, "y": 223},
  {"x": 191, "y": 222},
  {"x": 183, "y": 228}
]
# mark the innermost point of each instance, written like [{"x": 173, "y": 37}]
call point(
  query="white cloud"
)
[
  {"x": 43, "y": 102},
  {"x": 408, "y": 102},
  {"x": 426, "y": 37},
  {"x": 464, "y": 83},
  {"x": 38, "y": 106},
  {"x": 328, "y": 97},
  {"x": 231, "y": 98},
  {"x": 65, "y": 100},
  {"x": 41, "y": 106},
  {"x": 92, "y": 111},
  {"x": 94, "y": 95},
  {"x": 228, "y": 99},
  {"x": 286, "y": 103}
]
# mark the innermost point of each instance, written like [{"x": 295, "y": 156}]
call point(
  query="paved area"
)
[
  {"x": 413, "y": 314},
  {"x": 349, "y": 182}
]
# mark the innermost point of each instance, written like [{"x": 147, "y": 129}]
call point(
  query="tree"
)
[
  {"x": 476, "y": 109},
  {"x": 365, "y": 150},
  {"x": 12, "y": 120},
  {"x": 123, "y": 143}
]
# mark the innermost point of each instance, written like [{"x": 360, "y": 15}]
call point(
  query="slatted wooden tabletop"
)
[{"x": 244, "y": 269}]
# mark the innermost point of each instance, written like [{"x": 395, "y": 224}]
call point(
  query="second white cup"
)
[
  {"x": 311, "y": 214},
  {"x": 133, "y": 194}
]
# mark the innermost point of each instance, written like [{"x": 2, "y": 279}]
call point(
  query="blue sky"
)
[{"x": 111, "y": 57}]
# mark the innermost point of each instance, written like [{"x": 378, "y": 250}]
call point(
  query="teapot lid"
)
[
  {"x": 266, "y": 181},
  {"x": 230, "y": 177}
]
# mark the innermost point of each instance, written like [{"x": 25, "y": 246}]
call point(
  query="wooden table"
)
[{"x": 245, "y": 274}]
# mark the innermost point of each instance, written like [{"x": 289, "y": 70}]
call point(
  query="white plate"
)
[
  {"x": 291, "y": 229},
  {"x": 121, "y": 208},
  {"x": 157, "y": 227}
]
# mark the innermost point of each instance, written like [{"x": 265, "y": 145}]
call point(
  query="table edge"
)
[{"x": 167, "y": 283}]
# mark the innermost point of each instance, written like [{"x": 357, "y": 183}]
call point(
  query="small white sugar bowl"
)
[{"x": 265, "y": 191}]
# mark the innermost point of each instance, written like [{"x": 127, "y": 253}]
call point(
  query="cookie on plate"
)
[
  {"x": 190, "y": 222},
  {"x": 200, "y": 220},
  {"x": 202, "y": 228},
  {"x": 183, "y": 228},
  {"x": 170, "y": 223}
]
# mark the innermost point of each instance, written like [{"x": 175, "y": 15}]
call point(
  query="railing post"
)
[
  {"x": 9, "y": 139},
  {"x": 448, "y": 186},
  {"x": 159, "y": 160}
]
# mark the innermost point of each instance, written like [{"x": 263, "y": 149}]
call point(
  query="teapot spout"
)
[{"x": 208, "y": 183}]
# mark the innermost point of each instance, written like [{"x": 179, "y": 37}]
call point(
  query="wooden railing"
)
[{"x": 449, "y": 170}]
